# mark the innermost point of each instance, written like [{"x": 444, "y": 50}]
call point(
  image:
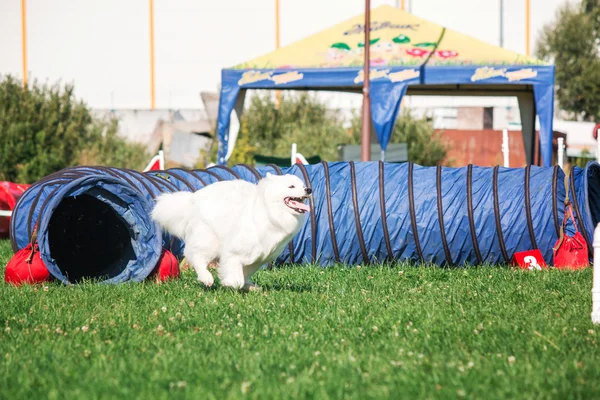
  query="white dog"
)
[{"x": 238, "y": 224}]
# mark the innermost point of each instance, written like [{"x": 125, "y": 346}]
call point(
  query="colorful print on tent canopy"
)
[
  {"x": 401, "y": 39},
  {"x": 337, "y": 54},
  {"x": 398, "y": 66},
  {"x": 393, "y": 33},
  {"x": 371, "y": 42},
  {"x": 446, "y": 54},
  {"x": 417, "y": 52},
  {"x": 425, "y": 44}
]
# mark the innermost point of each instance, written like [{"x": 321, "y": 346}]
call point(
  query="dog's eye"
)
[{"x": 292, "y": 187}]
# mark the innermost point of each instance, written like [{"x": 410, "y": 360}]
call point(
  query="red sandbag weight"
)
[{"x": 26, "y": 266}]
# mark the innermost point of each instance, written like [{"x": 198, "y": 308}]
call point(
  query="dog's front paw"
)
[
  {"x": 251, "y": 287},
  {"x": 206, "y": 278},
  {"x": 232, "y": 283}
]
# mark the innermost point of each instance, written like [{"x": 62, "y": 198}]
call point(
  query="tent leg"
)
[{"x": 528, "y": 114}]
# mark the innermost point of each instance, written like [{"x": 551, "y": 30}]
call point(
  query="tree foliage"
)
[
  {"x": 106, "y": 147},
  {"x": 571, "y": 42},
  {"x": 425, "y": 146},
  {"x": 270, "y": 129},
  {"x": 44, "y": 129},
  {"x": 301, "y": 118}
]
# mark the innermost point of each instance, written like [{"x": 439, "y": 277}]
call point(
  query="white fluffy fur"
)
[{"x": 238, "y": 224}]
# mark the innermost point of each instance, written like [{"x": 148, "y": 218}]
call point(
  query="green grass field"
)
[{"x": 371, "y": 332}]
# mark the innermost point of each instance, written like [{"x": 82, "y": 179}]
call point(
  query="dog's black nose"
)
[{"x": 308, "y": 190}]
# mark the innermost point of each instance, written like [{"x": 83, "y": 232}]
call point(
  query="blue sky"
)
[{"x": 102, "y": 46}]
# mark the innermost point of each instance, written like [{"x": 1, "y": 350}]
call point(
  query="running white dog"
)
[{"x": 238, "y": 224}]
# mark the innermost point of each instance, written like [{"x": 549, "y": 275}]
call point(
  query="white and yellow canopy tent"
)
[{"x": 408, "y": 55}]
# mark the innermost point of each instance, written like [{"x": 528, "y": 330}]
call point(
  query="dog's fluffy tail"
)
[{"x": 171, "y": 211}]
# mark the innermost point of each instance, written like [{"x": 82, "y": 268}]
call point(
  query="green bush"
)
[
  {"x": 425, "y": 147},
  {"x": 301, "y": 118},
  {"x": 581, "y": 161},
  {"x": 107, "y": 148},
  {"x": 44, "y": 129},
  {"x": 244, "y": 151}
]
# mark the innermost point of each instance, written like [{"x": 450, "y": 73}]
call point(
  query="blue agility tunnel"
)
[
  {"x": 88, "y": 224},
  {"x": 361, "y": 213}
]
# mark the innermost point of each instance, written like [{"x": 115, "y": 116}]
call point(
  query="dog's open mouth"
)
[{"x": 297, "y": 204}]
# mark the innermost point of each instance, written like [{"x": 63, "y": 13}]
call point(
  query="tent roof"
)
[
  {"x": 397, "y": 39},
  {"x": 406, "y": 52}
]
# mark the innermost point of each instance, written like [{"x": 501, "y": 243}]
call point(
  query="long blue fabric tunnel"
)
[{"x": 93, "y": 222}]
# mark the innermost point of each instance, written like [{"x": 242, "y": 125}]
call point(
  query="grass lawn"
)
[{"x": 374, "y": 332}]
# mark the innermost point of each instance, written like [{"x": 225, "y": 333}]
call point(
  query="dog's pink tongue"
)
[{"x": 299, "y": 205}]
